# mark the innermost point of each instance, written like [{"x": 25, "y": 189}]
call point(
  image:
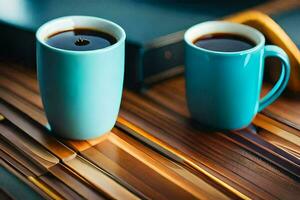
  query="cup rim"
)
[
  {"x": 255, "y": 33},
  {"x": 40, "y": 35}
]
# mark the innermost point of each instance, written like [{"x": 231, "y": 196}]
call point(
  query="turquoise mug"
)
[
  {"x": 223, "y": 88},
  {"x": 81, "y": 90}
]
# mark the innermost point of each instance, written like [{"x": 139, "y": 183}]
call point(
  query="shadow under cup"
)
[
  {"x": 223, "y": 88},
  {"x": 81, "y": 90}
]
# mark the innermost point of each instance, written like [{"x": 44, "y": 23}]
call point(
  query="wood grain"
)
[
  {"x": 17, "y": 165},
  {"x": 59, "y": 187},
  {"x": 83, "y": 147},
  {"x": 13, "y": 72},
  {"x": 99, "y": 180},
  {"x": 58, "y": 177},
  {"x": 131, "y": 162},
  {"x": 257, "y": 139},
  {"x": 73, "y": 181},
  {"x": 225, "y": 160},
  {"x": 110, "y": 188},
  {"x": 29, "y": 147},
  {"x": 245, "y": 166},
  {"x": 48, "y": 179},
  {"x": 37, "y": 114},
  {"x": 33, "y": 186},
  {"x": 286, "y": 109},
  {"x": 36, "y": 131},
  {"x": 16, "y": 155}
]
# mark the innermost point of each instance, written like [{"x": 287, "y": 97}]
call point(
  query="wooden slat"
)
[
  {"x": 36, "y": 131},
  {"x": 37, "y": 114},
  {"x": 166, "y": 93},
  {"x": 255, "y": 144},
  {"x": 172, "y": 171},
  {"x": 286, "y": 109},
  {"x": 45, "y": 194},
  {"x": 27, "y": 146},
  {"x": 119, "y": 174},
  {"x": 99, "y": 180},
  {"x": 173, "y": 164},
  {"x": 178, "y": 127},
  {"x": 20, "y": 90},
  {"x": 287, "y": 133},
  {"x": 16, "y": 155},
  {"x": 17, "y": 165},
  {"x": 34, "y": 126},
  {"x": 162, "y": 113},
  {"x": 213, "y": 171},
  {"x": 26, "y": 168},
  {"x": 45, "y": 188},
  {"x": 73, "y": 181},
  {"x": 134, "y": 168},
  {"x": 15, "y": 74},
  {"x": 258, "y": 138},
  {"x": 281, "y": 143},
  {"x": 78, "y": 146},
  {"x": 60, "y": 187}
]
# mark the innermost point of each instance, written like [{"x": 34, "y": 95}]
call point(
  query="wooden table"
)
[{"x": 155, "y": 150}]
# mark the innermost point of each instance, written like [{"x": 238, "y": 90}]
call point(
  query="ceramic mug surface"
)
[
  {"x": 81, "y": 90},
  {"x": 223, "y": 88}
]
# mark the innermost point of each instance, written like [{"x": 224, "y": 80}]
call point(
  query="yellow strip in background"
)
[{"x": 44, "y": 188}]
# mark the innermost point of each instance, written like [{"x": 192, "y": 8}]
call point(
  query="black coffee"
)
[
  {"x": 224, "y": 42},
  {"x": 81, "y": 39}
]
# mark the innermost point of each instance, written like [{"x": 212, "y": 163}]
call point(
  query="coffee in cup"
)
[
  {"x": 81, "y": 39},
  {"x": 224, "y": 42}
]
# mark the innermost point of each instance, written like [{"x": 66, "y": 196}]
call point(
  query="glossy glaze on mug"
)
[
  {"x": 81, "y": 90},
  {"x": 223, "y": 88}
]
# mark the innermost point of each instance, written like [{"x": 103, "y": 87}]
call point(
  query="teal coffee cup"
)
[
  {"x": 223, "y": 88},
  {"x": 81, "y": 90}
]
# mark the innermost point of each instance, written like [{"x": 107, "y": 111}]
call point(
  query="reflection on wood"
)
[
  {"x": 16, "y": 172},
  {"x": 36, "y": 131},
  {"x": 23, "y": 105},
  {"x": 223, "y": 160},
  {"x": 110, "y": 188},
  {"x": 14, "y": 73},
  {"x": 285, "y": 110},
  {"x": 73, "y": 181},
  {"x": 33, "y": 173},
  {"x": 27, "y": 145},
  {"x": 20, "y": 89},
  {"x": 60, "y": 187},
  {"x": 238, "y": 164},
  {"x": 99, "y": 180},
  {"x": 167, "y": 124},
  {"x": 281, "y": 143},
  {"x": 42, "y": 186},
  {"x": 17, "y": 165},
  {"x": 84, "y": 147},
  {"x": 170, "y": 170},
  {"x": 20, "y": 158},
  {"x": 131, "y": 162}
]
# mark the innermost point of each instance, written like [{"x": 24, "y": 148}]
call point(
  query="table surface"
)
[{"x": 155, "y": 151}]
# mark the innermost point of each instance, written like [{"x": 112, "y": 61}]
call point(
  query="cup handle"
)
[{"x": 275, "y": 51}]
